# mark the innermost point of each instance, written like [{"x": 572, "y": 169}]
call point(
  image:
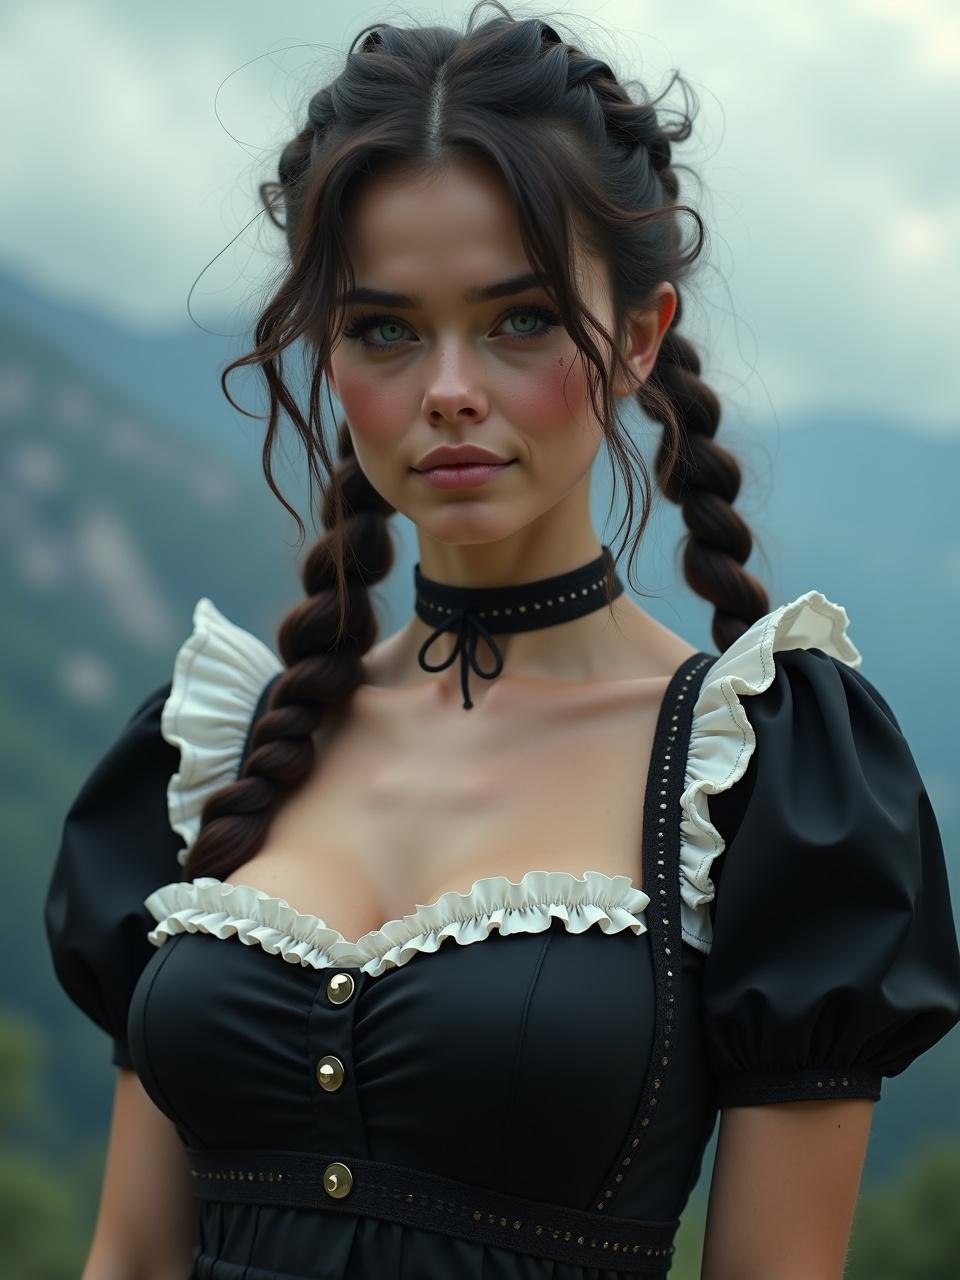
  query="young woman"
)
[{"x": 440, "y": 956}]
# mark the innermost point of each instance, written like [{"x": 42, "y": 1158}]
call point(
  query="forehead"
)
[
  {"x": 438, "y": 234},
  {"x": 460, "y": 214}
]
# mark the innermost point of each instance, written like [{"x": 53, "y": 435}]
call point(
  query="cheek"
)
[
  {"x": 369, "y": 406},
  {"x": 550, "y": 400}
]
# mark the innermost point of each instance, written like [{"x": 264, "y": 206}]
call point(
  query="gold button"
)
[
  {"x": 337, "y": 1180},
  {"x": 330, "y": 1072},
  {"x": 340, "y": 988}
]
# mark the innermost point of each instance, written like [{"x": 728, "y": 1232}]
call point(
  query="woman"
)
[{"x": 492, "y": 995}]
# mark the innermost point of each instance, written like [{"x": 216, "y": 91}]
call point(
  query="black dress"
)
[{"x": 535, "y": 1107}]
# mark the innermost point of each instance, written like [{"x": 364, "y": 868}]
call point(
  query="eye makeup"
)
[{"x": 361, "y": 326}]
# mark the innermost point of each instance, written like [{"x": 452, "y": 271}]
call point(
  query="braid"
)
[
  {"x": 703, "y": 479},
  {"x": 322, "y": 650},
  {"x": 635, "y": 125},
  {"x": 697, "y": 474}
]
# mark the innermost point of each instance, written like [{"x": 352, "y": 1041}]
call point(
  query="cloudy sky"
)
[{"x": 826, "y": 141}]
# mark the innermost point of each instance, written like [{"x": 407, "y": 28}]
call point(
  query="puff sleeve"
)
[
  {"x": 834, "y": 958},
  {"x": 117, "y": 845}
]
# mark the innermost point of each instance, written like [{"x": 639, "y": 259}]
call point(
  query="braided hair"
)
[{"x": 580, "y": 156}]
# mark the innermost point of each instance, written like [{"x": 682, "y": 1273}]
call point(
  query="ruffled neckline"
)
[
  {"x": 226, "y": 909},
  {"x": 221, "y": 671}
]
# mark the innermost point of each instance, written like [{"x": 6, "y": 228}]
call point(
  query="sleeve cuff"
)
[{"x": 797, "y": 1086}]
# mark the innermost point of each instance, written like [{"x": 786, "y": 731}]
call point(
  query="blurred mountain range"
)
[{"x": 129, "y": 487}]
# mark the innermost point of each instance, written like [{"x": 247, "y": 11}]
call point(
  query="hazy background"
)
[{"x": 825, "y": 312}]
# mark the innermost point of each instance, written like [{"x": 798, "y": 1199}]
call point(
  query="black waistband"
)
[{"x": 370, "y": 1187}]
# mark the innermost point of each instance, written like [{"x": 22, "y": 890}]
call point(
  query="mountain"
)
[
  {"x": 114, "y": 521},
  {"x": 173, "y": 374}
]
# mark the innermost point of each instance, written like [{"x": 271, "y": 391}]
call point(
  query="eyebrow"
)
[{"x": 485, "y": 293}]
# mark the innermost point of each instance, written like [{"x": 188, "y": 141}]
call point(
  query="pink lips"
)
[{"x": 464, "y": 476}]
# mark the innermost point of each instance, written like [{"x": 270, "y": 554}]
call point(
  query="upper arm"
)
[
  {"x": 784, "y": 1188},
  {"x": 147, "y": 1220}
]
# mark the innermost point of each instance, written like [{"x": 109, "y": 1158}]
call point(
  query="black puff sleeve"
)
[
  {"x": 117, "y": 847},
  {"x": 834, "y": 959}
]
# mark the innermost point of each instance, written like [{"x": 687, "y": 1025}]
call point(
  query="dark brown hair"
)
[{"x": 581, "y": 159}]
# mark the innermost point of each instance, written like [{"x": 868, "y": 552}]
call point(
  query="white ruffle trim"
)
[
  {"x": 722, "y": 739},
  {"x": 218, "y": 675},
  {"x": 528, "y": 905},
  {"x": 220, "y": 672}
]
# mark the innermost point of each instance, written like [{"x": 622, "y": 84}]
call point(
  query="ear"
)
[{"x": 646, "y": 330}]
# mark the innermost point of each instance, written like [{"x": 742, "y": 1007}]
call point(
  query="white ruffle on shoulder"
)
[
  {"x": 722, "y": 739},
  {"x": 218, "y": 675},
  {"x": 528, "y": 905}
]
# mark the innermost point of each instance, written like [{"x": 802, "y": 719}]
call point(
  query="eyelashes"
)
[{"x": 360, "y": 327}]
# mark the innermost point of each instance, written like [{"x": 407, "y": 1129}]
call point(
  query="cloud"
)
[
  {"x": 931, "y": 26},
  {"x": 823, "y": 141},
  {"x": 114, "y": 174}
]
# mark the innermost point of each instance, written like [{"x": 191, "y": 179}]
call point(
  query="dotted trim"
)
[
  {"x": 508, "y": 612},
  {"x": 313, "y": 1181},
  {"x": 804, "y": 1085},
  {"x": 662, "y": 838},
  {"x": 450, "y": 1206},
  {"x": 571, "y": 605}
]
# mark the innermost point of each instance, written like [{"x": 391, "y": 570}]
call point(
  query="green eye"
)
[{"x": 361, "y": 327}]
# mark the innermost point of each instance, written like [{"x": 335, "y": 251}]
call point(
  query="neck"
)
[
  {"x": 507, "y": 563},
  {"x": 616, "y": 642}
]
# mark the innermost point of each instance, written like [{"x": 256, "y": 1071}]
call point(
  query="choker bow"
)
[{"x": 526, "y": 606}]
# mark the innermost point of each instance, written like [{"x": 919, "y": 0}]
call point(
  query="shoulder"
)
[
  {"x": 115, "y": 845},
  {"x": 131, "y": 822},
  {"x": 222, "y": 676},
  {"x": 813, "y": 870},
  {"x": 792, "y": 680}
]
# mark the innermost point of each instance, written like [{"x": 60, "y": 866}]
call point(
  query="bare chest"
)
[{"x": 401, "y": 808}]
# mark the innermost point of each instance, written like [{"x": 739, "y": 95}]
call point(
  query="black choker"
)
[{"x": 525, "y": 606}]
